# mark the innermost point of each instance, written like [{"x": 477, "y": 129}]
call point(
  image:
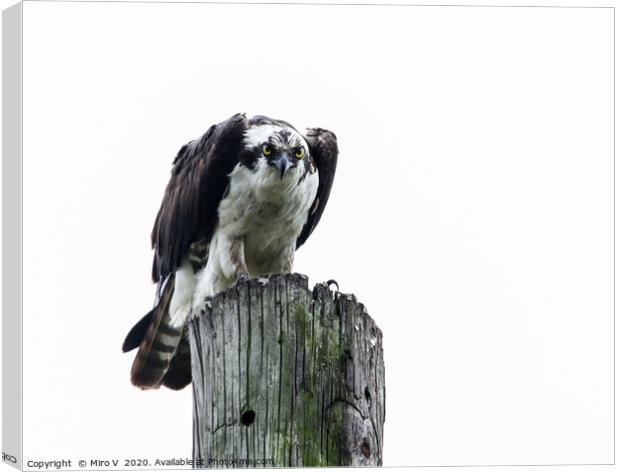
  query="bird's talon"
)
[
  {"x": 331, "y": 282},
  {"x": 243, "y": 277}
]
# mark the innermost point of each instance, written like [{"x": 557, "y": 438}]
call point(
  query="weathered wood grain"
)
[{"x": 284, "y": 376}]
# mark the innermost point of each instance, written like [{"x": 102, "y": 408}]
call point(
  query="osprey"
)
[{"x": 241, "y": 199}]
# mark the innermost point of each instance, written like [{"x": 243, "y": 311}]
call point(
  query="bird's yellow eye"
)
[
  {"x": 266, "y": 150},
  {"x": 300, "y": 153}
]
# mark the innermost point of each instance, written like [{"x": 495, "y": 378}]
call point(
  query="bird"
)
[{"x": 240, "y": 200}]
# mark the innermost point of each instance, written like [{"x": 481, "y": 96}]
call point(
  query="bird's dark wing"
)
[
  {"x": 199, "y": 179},
  {"x": 137, "y": 333},
  {"x": 324, "y": 151}
]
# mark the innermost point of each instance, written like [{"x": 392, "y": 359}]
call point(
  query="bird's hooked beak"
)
[{"x": 282, "y": 163}]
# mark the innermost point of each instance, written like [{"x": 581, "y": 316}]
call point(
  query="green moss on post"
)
[{"x": 283, "y": 376}]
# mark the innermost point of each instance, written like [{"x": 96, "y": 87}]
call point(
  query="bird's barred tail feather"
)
[
  {"x": 179, "y": 374},
  {"x": 159, "y": 345}
]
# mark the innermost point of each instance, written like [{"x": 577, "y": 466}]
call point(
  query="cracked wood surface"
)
[{"x": 284, "y": 376}]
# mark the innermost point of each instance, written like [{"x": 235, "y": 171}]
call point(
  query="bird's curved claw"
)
[
  {"x": 241, "y": 278},
  {"x": 331, "y": 282},
  {"x": 320, "y": 287}
]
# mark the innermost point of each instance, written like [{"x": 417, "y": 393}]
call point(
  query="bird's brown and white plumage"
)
[{"x": 241, "y": 199}]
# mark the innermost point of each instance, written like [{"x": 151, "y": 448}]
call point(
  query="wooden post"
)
[{"x": 286, "y": 377}]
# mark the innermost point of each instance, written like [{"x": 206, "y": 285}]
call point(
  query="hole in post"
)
[
  {"x": 365, "y": 448},
  {"x": 247, "y": 418},
  {"x": 367, "y": 395}
]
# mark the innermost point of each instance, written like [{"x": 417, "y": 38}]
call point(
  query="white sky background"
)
[{"x": 471, "y": 213}]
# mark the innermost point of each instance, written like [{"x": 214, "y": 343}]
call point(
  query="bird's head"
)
[{"x": 279, "y": 146}]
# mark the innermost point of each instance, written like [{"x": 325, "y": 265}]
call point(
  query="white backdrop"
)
[{"x": 472, "y": 211}]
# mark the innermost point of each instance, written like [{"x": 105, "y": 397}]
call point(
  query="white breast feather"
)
[
  {"x": 266, "y": 211},
  {"x": 269, "y": 211}
]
